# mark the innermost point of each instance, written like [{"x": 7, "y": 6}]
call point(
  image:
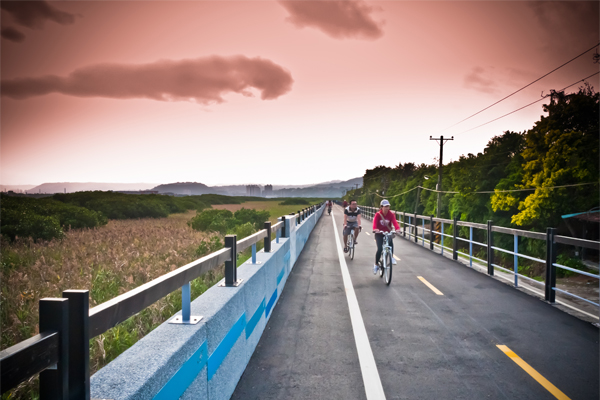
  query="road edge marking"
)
[
  {"x": 368, "y": 367},
  {"x": 430, "y": 286},
  {"x": 533, "y": 373}
]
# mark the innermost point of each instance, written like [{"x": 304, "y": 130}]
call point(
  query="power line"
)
[
  {"x": 518, "y": 109},
  {"x": 488, "y": 191},
  {"x": 555, "y": 69}
]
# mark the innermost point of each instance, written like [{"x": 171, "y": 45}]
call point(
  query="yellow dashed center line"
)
[
  {"x": 430, "y": 286},
  {"x": 534, "y": 374},
  {"x": 397, "y": 259},
  {"x": 368, "y": 233}
]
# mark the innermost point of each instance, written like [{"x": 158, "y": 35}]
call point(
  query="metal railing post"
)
[
  {"x": 79, "y": 345},
  {"x": 231, "y": 265},
  {"x": 550, "y": 294},
  {"x": 404, "y": 223},
  {"x": 283, "y": 218},
  {"x": 416, "y": 232},
  {"x": 54, "y": 316},
  {"x": 186, "y": 303},
  {"x": 516, "y": 259},
  {"x": 471, "y": 246},
  {"x": 442, "y": 237},
  {"x": 267, "y": 243},
  {"x": 253, "y": 253},
  {"x": 454, "y": 239},
  {"x": 490, "y": 251},
  {"x": 423, "y": 232},
  {"x": 431, "y": 232},
  {"x": 409, "y": 228}
]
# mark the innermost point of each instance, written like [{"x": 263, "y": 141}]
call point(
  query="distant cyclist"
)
[
  {"x": 329, "y": 205},
  {"x": 345, "y": 204},
  {"x": 351, "y": 221},
  {"x": 384, "y": 221}
]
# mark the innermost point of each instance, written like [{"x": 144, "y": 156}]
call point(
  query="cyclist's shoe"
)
[
  {"x": 355, "y": 241},
  {"x": 345, "y": 249},
  {"x": 375, "y": 269},
  {"x": 394, "y": 261}
]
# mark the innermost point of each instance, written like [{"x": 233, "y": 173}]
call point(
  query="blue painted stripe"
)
[
  {"x": 280, "y": 276},
  {"x": 286, "y": 258},
  {"x": 217, "y": 357},
  {"x": 184, "y": 377},
  {"x": 255, "y": 318},
  {"x": 271, "y": 302}
]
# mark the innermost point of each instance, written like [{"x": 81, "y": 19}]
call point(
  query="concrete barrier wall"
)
[{"x": 206, "y": 360}]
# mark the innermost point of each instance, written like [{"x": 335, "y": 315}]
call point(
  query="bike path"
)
[
  {"x": 445, "y": 346},
  {"x": 425, "y": 345},
  {"x": 307, "y": 350}
]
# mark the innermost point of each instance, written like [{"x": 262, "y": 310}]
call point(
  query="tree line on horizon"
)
[{"x": 560, "y": 149}]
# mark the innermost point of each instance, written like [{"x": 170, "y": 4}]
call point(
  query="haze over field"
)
[{"x": 280, "y": 92}]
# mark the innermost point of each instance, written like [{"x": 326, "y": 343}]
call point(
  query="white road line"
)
[
  {"x": 368, "y": 368},
  {"x": 368, "y": 233}
]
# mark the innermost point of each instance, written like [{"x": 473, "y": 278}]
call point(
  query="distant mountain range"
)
[{"x": 324, "y": 189}]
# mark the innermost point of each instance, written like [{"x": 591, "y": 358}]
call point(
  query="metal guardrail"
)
[
  {"x": 549, "y": 237},
  {"x": 60, "y": 353}
]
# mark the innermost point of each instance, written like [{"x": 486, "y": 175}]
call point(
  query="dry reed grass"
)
[{"x": 108, "y": 261}]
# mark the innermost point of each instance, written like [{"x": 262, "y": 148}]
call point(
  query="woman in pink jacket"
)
[{"x": 384, "y": 221}]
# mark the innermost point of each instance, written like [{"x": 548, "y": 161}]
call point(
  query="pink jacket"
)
[{"x": 385, "y": 223}]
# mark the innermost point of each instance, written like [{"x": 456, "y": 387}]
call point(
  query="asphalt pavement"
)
[{"x": 440, "y": 331}]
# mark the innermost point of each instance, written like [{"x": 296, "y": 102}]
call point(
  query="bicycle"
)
[
  {"x": 329, "y": 211},
  {"x": 350, "y": 243},
  {"x": 385, "y": 269}
]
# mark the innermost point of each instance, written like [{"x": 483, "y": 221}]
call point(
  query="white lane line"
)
[
  {"x": 430, "y": 286},
  {"x": 368, "y": 233},
  {"x": 368, "y": 368}
]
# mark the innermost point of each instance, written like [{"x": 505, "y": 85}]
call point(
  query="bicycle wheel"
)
[
  {"x": 351, "y": 246},
  {"x": 381, "y": 268},
  {"x": 388, "y": 268}
]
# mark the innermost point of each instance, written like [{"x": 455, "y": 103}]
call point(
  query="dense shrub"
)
[
  {"x": 209, "y": 245},
  {"x": 211, "y": 220},
  {"x": 294, "y": 201},
  {"x": 44, "y": 218},
  {"x": 256, "y": 218},
  {"x": 243, "y": 223}
]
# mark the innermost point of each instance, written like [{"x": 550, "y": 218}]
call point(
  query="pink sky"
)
[{"x": 221, "y": 92}]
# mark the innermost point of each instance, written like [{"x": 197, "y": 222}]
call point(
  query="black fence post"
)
[
  {"x": 267, "y": 247},
  {"x": 54, "y": 316},
  {"x": 550, "y": 268},
  {"x": 416, "y": 232},
  {"x": 490, "y": 251},
  {"x": 283, "y": 227},
  {"x": 455, "y": 240},
  {"x": 79, "y": 343},
  {"x": 404, "y": 223},
  {"x": 231, "y": 265},
  {"x": 431, "y": 232}
]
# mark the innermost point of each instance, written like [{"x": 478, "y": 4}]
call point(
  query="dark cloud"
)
[
  {"x": 476, "y": 80},
  {"x": 12, "y": 34},
  {"x": 339, "y": 19},
  {"x": 34, "y": 14},
  {"x": 568, "y": 25},
  {"x": 202, "y": 80}
]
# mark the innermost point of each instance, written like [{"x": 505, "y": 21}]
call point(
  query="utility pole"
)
[{"x": 439, "y": 184}]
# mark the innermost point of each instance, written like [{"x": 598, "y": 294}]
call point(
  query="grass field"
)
[
  {"x": 108, "y": 261},
  {"x": 271, "y": 206}
]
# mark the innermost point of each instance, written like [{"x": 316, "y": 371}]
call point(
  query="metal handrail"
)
[
  {"x": 118, "y": 309},
  {"x": 37, "y": 353},
  {"x": 550, "y": 237}
]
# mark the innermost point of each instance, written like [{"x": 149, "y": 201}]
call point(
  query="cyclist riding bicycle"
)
[
  {"x": 352, "y": 220},
  {"x": 329, "y": 205},
  {"x": 383, "y": 221}
]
